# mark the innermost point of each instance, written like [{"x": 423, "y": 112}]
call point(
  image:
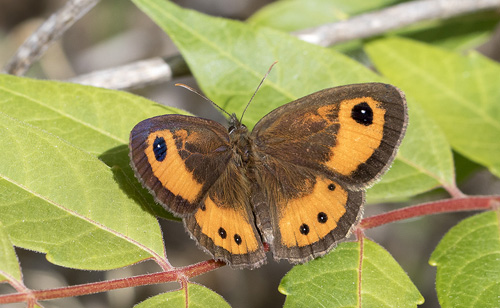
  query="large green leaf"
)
[
  {"x": 9, "y": 265},
  {"x": 56, "y": 198},
  {"x": 229, "y": 58},
  {"x": 468, "y": 263},
  {"x": 198, "y": 296},
  {"x": 461, "y": 93},
  {"x": 350, "y": 276}
]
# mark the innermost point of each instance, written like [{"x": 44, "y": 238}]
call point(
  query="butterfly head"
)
[{"x": 235, "y": 126}]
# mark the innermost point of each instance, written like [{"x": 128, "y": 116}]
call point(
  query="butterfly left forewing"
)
[{"x": 178, "y": 158}]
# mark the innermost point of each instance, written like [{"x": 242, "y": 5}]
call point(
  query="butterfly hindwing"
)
[
  {"x": 303, "y": 213},
  {"x": 225, "y": 224}
]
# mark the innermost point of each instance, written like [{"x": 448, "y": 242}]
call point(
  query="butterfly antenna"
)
[
  {"x": 201, "y": 95},
  {"x": 258, "y": 87}
]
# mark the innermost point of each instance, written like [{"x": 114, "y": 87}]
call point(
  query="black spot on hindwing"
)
[
  {"x": 222, "y": 233},
  {"x": 322, "y": 217},
  {"x": 304, "y": 229}
]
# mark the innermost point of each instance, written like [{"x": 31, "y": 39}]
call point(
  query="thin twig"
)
[
  {"x": 395, "y": 17},
  {"x": 50, "y": 31},
  {"x": 137, "y": 74}
]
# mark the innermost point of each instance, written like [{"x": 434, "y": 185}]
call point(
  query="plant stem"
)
[
  {"x": 96, "y": 287},
  {"x": 436, "y": 207}
]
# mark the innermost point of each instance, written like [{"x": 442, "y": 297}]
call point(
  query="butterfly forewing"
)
[
  {"x": 178, "y": 158},
  {"x": 350, "y": 132}
]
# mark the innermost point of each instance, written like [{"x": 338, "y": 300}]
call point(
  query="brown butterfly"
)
[{"x": 296, "y": 182}]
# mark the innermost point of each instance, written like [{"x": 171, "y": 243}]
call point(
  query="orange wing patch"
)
[
  {"x": 360, "y": 134},
  {"x": 306, "y": 220},
  {"x": 228, "y": 228},
  {"x": 171, "y": 170}
]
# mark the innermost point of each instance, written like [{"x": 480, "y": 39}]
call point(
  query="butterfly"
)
[{"x": 297, "y": 181}]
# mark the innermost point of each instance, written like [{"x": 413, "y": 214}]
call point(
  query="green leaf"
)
[
  {"x": 460, "y": 93},
  {"x": 292, "y": 15},
  {"x": 95, "y": 120},
  {"x": 341, "y": 279},
  {"x": 229, "y": 59},
  {"x": 198, "y": 296},
  {"x": 9, "y": 265},
  {"x": 468, "y": 263},
  {"x": 56, "y": 198}
]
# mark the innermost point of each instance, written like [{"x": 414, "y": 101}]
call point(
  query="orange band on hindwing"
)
[
  {"x": 171, "y": 170},
  {"x": 356, "y": 141},
  {"x": 308, "y": 219},
  {"x": 228, "y": 228}
]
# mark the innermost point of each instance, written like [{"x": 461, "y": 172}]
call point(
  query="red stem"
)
[
  {"x": 436, "y": 207},
  {"x": 95, "y": 287}
]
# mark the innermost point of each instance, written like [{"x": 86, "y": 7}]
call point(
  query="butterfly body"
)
[{"x": 295, "y": 182}]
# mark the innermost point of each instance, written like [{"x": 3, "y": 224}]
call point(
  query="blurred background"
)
[{"x": 114, "y": 33}]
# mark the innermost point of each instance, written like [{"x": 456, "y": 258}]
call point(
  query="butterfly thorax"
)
[{"x": 239, "y": 138}]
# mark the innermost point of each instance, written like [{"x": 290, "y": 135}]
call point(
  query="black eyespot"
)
[
  {"x": 203, "y": 207},
  {"x": 160, "y": 148},
  {"x": 304, "y": 229},
  {"x": 362, "y": 113},
  {"x": 322, "y": 217},
  {"x": 237, "y": 239},
  {"x": 222, "y": 233},
  {"x": 331, "y": 187}
]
